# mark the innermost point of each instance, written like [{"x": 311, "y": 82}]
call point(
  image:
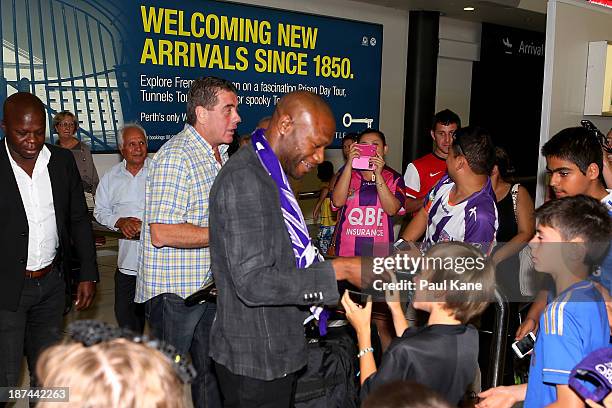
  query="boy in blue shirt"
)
[
  {"x": 575, "y": 165},
  {"x": 572, "y": 235}
]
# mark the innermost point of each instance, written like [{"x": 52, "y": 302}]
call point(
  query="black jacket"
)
[
  {"x": 72, "y": 218},
  {"x": 263, "y": 297}
]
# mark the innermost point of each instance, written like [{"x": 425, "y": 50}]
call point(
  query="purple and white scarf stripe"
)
[{"x": 305, "y": 252}]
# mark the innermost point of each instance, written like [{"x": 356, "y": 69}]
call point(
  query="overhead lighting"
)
[{"x": 469, "y": 8}]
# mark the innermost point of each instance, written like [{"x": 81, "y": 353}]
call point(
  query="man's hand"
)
[
  {"x": 129, "y": 226},
  {"x": 502, "y": 397},
  {"x": 348, "y": 268},
  {"x": 86, "y": 291},
  {"x": 410, "y": 249},
  {"x": 528, "y": 325},
  {"x": 417, "y": 226}
]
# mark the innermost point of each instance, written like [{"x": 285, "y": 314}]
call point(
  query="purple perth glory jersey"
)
[{"x": 473, "y": 220}]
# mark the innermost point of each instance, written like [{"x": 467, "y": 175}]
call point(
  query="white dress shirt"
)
[
  {"x": 120, "y": 194},
  {"x": 37, "y": 197}
]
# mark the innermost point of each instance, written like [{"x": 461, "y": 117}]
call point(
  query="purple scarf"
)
[{"x": 305, "y": 252}]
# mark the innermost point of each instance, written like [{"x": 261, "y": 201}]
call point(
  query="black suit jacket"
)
[{"x": 73, "y": 224}]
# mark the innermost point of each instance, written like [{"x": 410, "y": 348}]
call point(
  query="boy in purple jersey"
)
[{"x": 461, "y": 207}]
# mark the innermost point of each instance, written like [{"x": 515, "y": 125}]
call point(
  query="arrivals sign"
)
[
  {"x": 115, "y": 61},
  {"x": 265, "y": 52}
]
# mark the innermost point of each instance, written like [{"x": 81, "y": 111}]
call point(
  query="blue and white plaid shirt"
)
[{"x": 178, "y": 184}]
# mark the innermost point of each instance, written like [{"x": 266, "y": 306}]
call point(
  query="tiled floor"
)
[{"x": 103, "y": 307}]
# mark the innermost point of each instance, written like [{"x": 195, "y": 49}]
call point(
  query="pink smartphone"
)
[{"x": 363, "y": 161}]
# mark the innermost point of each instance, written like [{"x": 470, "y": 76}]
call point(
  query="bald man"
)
[
  {"x": 43, "y": 209},
  {"x": 267, "y": 271}
]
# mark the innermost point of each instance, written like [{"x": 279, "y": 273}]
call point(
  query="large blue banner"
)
[
  {"x": 264, "y": 52},
  {"x": 114, "y": 61}
]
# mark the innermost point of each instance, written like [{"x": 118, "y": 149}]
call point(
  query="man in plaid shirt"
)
[{"x": 174, "y": 261}]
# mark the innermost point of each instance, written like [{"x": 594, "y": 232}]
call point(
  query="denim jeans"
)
[
  {"x": 35, "y": 325},
  {"x": 188, "y": 329}
]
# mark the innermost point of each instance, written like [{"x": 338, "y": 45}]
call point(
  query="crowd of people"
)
[{"x": 195, "y": 221}]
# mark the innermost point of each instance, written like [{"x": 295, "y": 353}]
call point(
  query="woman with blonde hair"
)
[{"x": 109, "y": 368}]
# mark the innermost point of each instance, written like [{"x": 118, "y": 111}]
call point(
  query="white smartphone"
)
[
  {"x": 404, "y": 246},
  {"x": 401, "y": 245},
  {"x": 525, "y": 345}
]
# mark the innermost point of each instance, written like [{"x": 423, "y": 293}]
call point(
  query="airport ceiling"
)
[{"x": 526, "y": 14}]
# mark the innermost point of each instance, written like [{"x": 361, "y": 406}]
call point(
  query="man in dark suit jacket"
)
[
  {"x": 43, "y": 210},
  {"x": 257, "y": 339}
]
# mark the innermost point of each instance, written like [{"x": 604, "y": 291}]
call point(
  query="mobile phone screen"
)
[
  {"x": 401, "y": 245},
  {"x": 358, "y": 297},
  {"x": 525, "y": 345},
  {"x": 363, "y": 162},
  {"x": 366, "y": 149}
]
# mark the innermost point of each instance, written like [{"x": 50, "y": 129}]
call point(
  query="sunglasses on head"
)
[
  {"x": 603, "y": 140},
  {"x": 92, "y": 332}
]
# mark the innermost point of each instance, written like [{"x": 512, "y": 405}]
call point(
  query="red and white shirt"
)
[{"x": 422, "y": 174}]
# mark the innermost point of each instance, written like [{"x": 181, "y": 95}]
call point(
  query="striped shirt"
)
[
  {"x": 603, "y": 274},
  {"x": 363, "y": 225},
  {"x": 178, "y": 184},
  {"x": 574, "y": 324}
]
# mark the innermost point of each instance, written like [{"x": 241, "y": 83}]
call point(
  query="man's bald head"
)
[
  {"x": 24, "y": 127},
  {"x": 301, "y": 126},
  {"x": 22, "y": 102},
  {"x": 300, "y": 103}
]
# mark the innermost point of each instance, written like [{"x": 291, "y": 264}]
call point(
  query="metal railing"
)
[
  {"x": 499, "y": 344},
  {"x": 66, "y": 53}
]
